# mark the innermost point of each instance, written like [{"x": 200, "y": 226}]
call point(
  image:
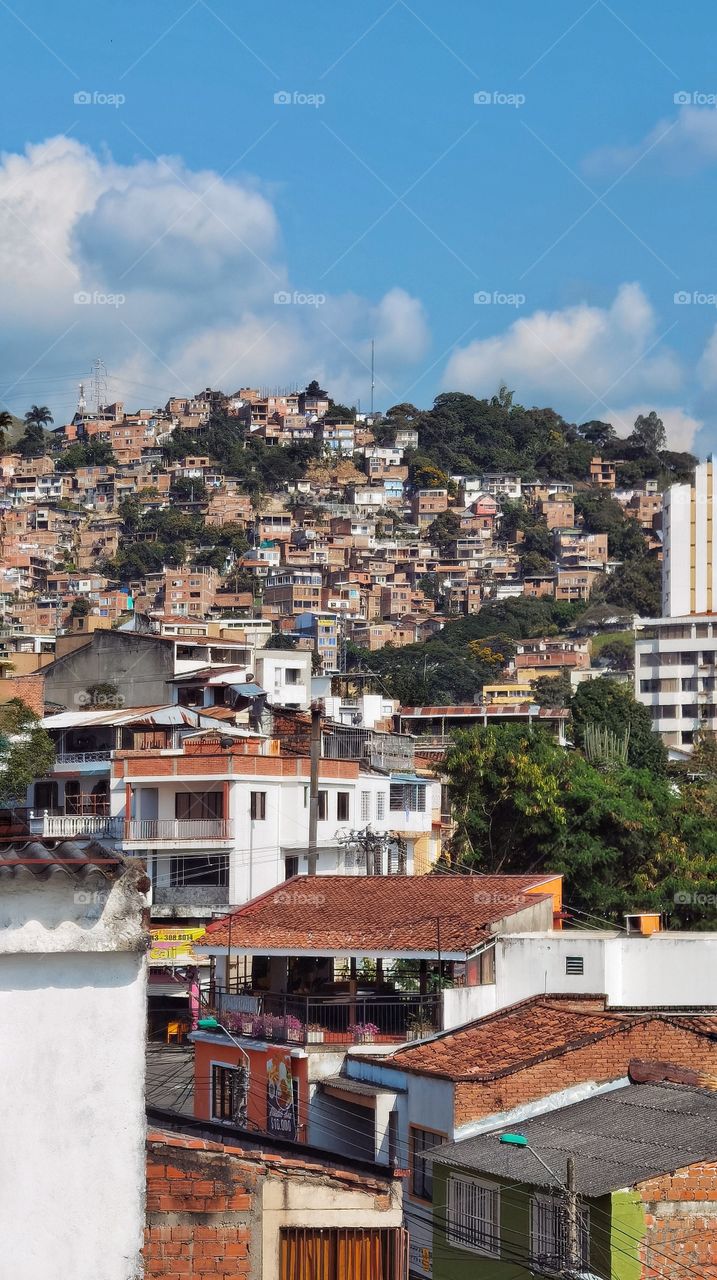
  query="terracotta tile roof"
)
[
  {"x": 524, "y": 1033},
  {"x": 71, "y": 858},
  {"x": 384, "y": 914}
]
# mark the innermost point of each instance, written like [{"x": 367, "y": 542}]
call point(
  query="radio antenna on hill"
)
[
  {"x": 373, "y": 371},
  {"x": 99, "y": 384}
]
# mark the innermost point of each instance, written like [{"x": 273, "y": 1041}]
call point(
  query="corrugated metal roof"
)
[
  {"x": 162, "y": 714},
  {"x": 69, "y": 857},
  {"x": 617, "y": 1140}
]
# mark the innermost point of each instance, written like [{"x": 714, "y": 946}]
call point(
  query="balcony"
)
[
  {"x": 78, "y": 825},
  {"x": 85, "y": 761},
  {"x": 339, "y": 1020},
  {"x": 192, "y": 832}
]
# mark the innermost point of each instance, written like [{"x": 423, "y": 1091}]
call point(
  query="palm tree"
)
[{"x": 38, "y": 415}]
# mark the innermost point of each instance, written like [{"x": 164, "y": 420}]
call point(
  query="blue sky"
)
[{"x": 157, "y": 231}]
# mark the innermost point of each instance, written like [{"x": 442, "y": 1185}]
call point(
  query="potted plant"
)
[
  {"x": 294, "y": 1029},
  {"x": 419, "y": 1026},
  {"x": 364, "y": 1032},
  {"x": 314, "y": 1034},
  {"x": 247, "y": 1024}
]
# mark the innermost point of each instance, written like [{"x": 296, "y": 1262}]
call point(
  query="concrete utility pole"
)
[
  {"x": 314, "y": 786},
  {"x": 572, "y": 1218}
]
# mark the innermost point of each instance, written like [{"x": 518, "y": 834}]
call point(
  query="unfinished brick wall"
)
[
  {"x": 30, "y": 689},
  {"x": 201, "y": 1204},
  {"x": 681, "y": 1226},
  {"x": 603, "y": 1058}
]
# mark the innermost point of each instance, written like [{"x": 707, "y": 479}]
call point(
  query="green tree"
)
[
  {"x": 26, "y": 751},
  {"x": 553, "y": 691},
  {"x": 39, "y": 416},
  {"x": 33, "y": 442},
  {"x": 648, "y": 433},
  {"x": 505, "y": 785},
  {"x": 617, "y": 654},
  {"x": 444, "y": 530},
  {"x": 607, "y": 702}
]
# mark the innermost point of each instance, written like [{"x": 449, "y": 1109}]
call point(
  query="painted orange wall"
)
[{"x": 206, "y": 1053}]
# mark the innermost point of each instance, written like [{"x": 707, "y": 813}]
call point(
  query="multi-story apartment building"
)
[
  {"x": 689, "y": 563},
  {"x": 602, "y": 474},
  {"x": 676, "y": 676},
  {"x": 189, "y": 592},
  {"x": 294, "y": 591},
  {"x": 676, "y": 655}
]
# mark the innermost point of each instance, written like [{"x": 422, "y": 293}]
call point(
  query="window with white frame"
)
[
  {"x": 365, "y": 806},
  {"x": 380, "y": 806},
  {"x": 473, "y": 1215},
  {"x": 549, "y": 1232}
]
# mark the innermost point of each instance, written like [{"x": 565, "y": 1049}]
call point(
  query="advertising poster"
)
[{"x": 280, "y": 1113}]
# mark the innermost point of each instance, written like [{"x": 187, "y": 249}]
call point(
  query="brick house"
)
[
  {"x": 550, "y": 1047},
  {"x": 249, "y": 1209},
  {"x": 645, "y": 1161}
]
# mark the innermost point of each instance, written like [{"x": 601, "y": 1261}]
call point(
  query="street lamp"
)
[
  {"x": 213, "y": 1024},
  {"x": 573, "y": 1259}
]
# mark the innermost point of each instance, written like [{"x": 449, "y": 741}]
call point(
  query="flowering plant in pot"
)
[
  {"x": 364, "y": 1032},
  {"x": 294, "y": 1028}
]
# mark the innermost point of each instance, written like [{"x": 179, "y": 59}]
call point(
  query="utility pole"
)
[
  {"x": 571, "y": 1200},
  {"x": 373, "y": 372},
  {"x": 314, "y": 785}
]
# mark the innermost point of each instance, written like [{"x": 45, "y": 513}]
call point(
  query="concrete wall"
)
[
  {"x": 73, "y": 1009},
  {"x": 140, "y": 667}
]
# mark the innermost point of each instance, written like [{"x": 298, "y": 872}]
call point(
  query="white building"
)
[
  {"x": 676, "y": 676},
  {"x": 689, "y": 566},
  {"x": 73, "y": 1009}
]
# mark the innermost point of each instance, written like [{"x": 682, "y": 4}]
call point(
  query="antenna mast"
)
[
  {"x": 99, "y": 385},
  {"x": 373, "y": 371}
]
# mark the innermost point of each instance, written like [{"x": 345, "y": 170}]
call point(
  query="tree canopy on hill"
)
[
  {"x": 452, "y": 667},
  {"x": 624, "y": 838},
  {"x": 463, "y": 434}
]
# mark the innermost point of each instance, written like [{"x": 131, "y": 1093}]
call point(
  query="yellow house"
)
[{"x": 502, "y": 695}]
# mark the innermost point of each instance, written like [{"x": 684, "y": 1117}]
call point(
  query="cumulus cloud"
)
[
  {"x": 681, "y": 427},
  {"x": 684, "y": 143},
  {"x": 194, "y": 263},
  {"x": 582, "y": 358}
]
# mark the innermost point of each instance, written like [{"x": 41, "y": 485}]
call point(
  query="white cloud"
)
[
  {"x": 685, "y": 143},
  {"x": 681, "y": 427},
  {"x": 196, "y": 259},
  {"x": 582, "y": 359}
]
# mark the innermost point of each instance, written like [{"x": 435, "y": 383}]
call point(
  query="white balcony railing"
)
[
  {"x": 177, "y": 830},
  {"x": 70, "y": 826},
  {"x": 82, "y": 757}
]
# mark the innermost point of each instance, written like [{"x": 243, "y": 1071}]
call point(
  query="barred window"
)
[
  {"x": 549, "y": 1232},
  {"x": 473, "y": 1215}
]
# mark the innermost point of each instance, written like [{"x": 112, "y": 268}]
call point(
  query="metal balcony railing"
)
[
  {"x": 82, "y": 757},
  {"x": 175, "y": 830},
  {"x": 341, "y": 1019}
]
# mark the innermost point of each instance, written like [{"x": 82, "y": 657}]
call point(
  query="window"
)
[
  {"x": 291, "y": 867},
  {"x": 409, "y": 796},
  {"x": 380, "y": 806},
  {"x": 365, "y": 806},
  {"x": 323, "y": 806},
  {"x": 473, "y": 1215},
  {"x": 421, "y": 1169},
  {"x": 198, "y": 805},
  {"x": 257, "y": 806},
  {"x": 199, "y": 871},
  {"x": 292, "y": 675},
  {"x": 229, "y": 1094},
  {"x": 574, "y": 965},
  {"x": 342, "y": 806},
  {"x": 549, "y": 1233}
]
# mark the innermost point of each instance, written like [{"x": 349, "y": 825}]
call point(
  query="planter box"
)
[
  {"x": 247, "y": 1026},
  {"x": 314, "y": 1037},
  {"x": 295, "y": 1035}
]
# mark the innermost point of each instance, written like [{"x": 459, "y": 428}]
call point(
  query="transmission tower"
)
[{"x": 99, "y": 385}]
